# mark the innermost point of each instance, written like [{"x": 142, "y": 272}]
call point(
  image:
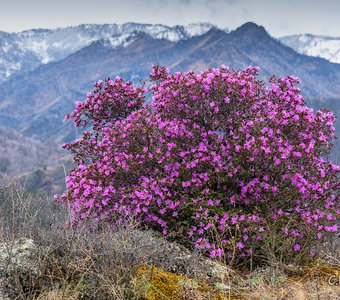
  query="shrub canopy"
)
[{"x": 217, "y": 160}]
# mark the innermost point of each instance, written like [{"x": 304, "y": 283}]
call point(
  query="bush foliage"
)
[{"x": 217, "y": 160}]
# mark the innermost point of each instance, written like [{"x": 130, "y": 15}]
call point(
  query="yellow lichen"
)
[{"x": 157, "y": 284}]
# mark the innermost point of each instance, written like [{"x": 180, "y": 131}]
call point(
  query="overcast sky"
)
[{"x": 279, "y": 17}]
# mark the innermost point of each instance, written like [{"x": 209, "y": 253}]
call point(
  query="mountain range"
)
[
  {"x": 24, "y": 51},
  {"x": 43, "y": 72}
]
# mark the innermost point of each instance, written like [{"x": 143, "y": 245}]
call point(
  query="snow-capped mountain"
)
[
  {"x": 314, "y": 45},
  {"x": 27, "y": 50}
]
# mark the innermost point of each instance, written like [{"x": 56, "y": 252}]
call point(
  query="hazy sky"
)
[{"x": 279, "y": 17}]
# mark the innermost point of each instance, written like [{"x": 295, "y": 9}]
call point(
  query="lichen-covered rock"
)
[
  {"x": 17, "y": 252},
  {"x": 17, "y": 267}
]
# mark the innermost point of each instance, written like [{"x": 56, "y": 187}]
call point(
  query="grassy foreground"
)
[{"x": 128, "y": 263}]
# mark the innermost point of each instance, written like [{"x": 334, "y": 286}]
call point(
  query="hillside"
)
[{"x": 19, "y": 153}]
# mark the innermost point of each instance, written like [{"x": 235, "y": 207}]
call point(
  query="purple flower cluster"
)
[{"x": 214, "y": 159}]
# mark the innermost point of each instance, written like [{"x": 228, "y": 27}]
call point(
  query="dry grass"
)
[{"x": 297, "y": 283}]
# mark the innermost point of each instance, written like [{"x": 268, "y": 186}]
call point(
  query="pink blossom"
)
[
  {"x": 240, "y": 245},
  {"x": 297, "y": 247}
]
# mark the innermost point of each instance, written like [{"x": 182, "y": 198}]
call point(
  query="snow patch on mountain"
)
[
  {"x": 27, "y": 50},
  {"x": 122, "y": 40},
  {"x": 314, "y": 45},
  {"x": 196, "y": 29}
]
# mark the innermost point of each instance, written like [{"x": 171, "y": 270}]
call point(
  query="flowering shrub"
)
[{"x": 217, "y": 160}]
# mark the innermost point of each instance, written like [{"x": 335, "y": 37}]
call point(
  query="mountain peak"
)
[{"x": 250, "y": 28}]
